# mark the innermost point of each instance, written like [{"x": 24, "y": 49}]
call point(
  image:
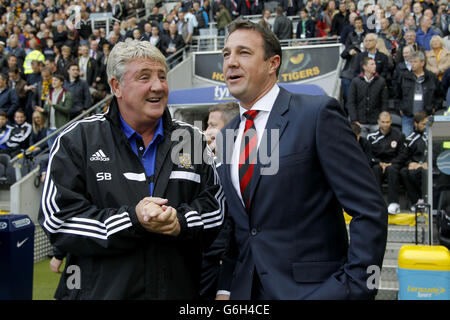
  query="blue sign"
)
[{"x": 220, "y": 94}]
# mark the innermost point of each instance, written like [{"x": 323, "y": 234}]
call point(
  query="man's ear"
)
[
  {"x": 274, "y": 63},
  {"x": 115, "y": 87}
]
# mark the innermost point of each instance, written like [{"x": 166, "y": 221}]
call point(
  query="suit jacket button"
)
[{"x": 254, "y": 232}]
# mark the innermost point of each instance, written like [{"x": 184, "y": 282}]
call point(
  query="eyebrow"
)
[
  {"x": 148, "y": 69},
  {"x": 240, "y": 47}
]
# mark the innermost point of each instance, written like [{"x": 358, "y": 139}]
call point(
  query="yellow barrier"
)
[{"x": 402, "y": 219}]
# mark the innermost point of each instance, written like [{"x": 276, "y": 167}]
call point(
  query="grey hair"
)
[
  {"x": 418, "y": 55},
  {"x": 124, "y": 52}
]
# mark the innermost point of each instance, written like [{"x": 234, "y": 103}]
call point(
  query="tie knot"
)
[{"x": 251, "y": 115}]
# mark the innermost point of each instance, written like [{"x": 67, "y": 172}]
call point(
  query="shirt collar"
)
[
  {"x": 266, "y": 102},
  {"x": 129, "y": 131}
]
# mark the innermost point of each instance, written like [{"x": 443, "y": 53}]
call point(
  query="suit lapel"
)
[
  {"x": 270, "y": 140},
  {"x": 225, "y": 145}
]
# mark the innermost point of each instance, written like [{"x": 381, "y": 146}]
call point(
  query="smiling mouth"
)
[{"x": 153, "y": 100}]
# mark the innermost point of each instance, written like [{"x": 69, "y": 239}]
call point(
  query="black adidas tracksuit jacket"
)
[{"x": 94, "y": 183}]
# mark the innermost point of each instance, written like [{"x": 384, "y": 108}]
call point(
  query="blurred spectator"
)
[
  {"x": 340, "y": 19},
  {"x": 326, "y": 19},
  {"x": 58, "y": 106},
  {"x": 201, "y": 16},
  {"x": 438, "y": 58},
  {"x": 155, "y": 18},
  {"x": 367, "y": 97},
  {"x": 41, "y": 89},
  {"x": 402, "y": 67},
  {"x": 18, "y": 84},
  {"x": 264, "y": 19},
  {"x": 94, "y": 49},
  {"x": 172, "y": 43},
  {"x": 47, "y": 49},
  {"x": 290, "y": 7},
  {"x": 39, "y": 131},
  {"x": 15, "y": 50},
  {"x": 65, "y": 61},
  {"x": 282, "y": 27},
  {"x": 223, "y": 18},
  {"x": 155, "y": 39},
  {"x": 85, "y": 29},
  {"x": 88, "y": 66},
  {"x": 101, "y": 71},
  {"x": 3, "y": 54},
  {"x": 185, "y": 29},
  {"x": 418, "y": 90},
  {"x": 60, "y": 35},
  {"x": 410, "y": 40},
  {"x": 257, "y": 7},
  {"x": 79, "y": 89},
  {"x": 34, "y": 54},
  {"x": 136, "y": 34},
  {"x": 381, "y": 47},
  {"x": 305, "y": 26},
  {"x": 425, "y": 33},
  {"x": 117, "y": 9},
  {"x": 353, "y": 47},
  {"x": 417, "y": 12},
  {"x": 370, "y": 50},
  {"x": 9, "y": 102},
  {"x": 348, "y": 28},
  {"x": 116, "y": 31},
  {"x": 147, "y": 32}
]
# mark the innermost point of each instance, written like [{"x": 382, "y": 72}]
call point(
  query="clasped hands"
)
[{"x": 155, "y": 216}]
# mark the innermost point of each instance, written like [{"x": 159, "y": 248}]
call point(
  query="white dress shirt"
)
[{"x": 264, "y": 106}]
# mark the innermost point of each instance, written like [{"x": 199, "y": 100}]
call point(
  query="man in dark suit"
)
[
  {"x": 290, "y": 165},
  {"x": 88, "y": 66}
]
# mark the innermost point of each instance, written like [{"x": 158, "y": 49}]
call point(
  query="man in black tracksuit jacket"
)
[
  {"x": 415, "y": 154},
  {"x": 97, "y": 205},
  {"x": 387, "y": 146}
]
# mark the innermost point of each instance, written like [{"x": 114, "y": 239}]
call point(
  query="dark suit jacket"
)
[
  {"x": 294, "y": 235},
  {"x": 381, "y": 61},
  {"x": 92, "y": 70}
]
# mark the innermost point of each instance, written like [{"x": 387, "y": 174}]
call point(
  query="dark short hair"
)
[
  {"x": 3, "y": 114},
  {"x": 4, "y": 76},
  {"x": 73, "y": 64},
  {"x": 229, "y": 110},
  {"x": 365, "y": 61},
  {"x": 59, "y": 76},
  {"x": 20, "y": 110},
  {"x": 271, "y": 43},
  {"x": 359, "y": 18},
  {"x": 419, "y": 116}
]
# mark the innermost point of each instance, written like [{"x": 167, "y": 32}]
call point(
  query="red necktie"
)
[
  {"x": 247, "y": 156},
  {"x": 247, "y": 2}
]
